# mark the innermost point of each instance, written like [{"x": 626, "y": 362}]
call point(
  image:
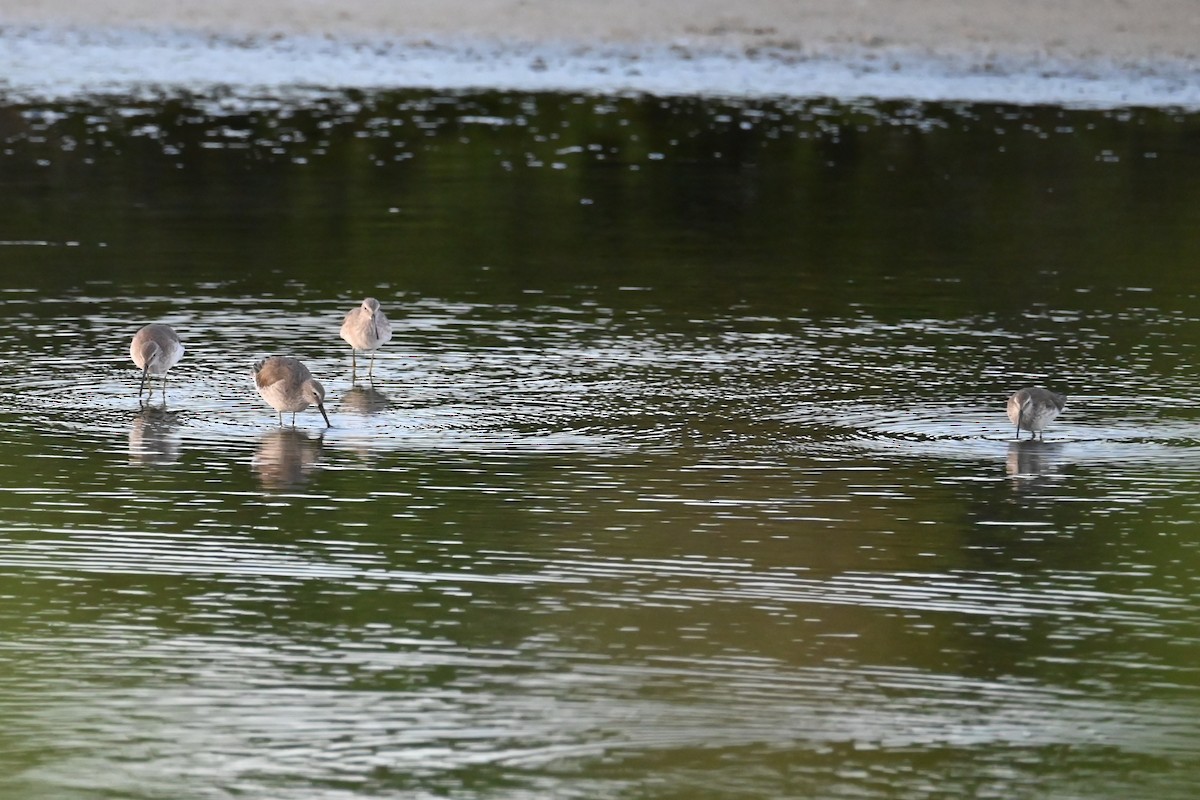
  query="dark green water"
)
[{"x": 685, "y": 475}]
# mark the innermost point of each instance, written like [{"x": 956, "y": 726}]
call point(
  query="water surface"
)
[{"x": 685, "y": 474}]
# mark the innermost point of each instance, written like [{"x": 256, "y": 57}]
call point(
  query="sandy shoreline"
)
[
  {"x": 1090, "y": 52},
  {"x": 1120, "y": 29}
]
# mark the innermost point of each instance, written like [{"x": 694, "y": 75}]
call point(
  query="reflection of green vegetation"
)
[
  {"x": 766, "y": 522},
  {"x": 730, "y": 202}
]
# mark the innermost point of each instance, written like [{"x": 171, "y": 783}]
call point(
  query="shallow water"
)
[{"x": 686, "y": 472}]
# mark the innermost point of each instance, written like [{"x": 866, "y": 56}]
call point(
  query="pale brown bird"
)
[
  {"x": 1034, "y": 408},
  {"x": 287, "y": 385},
  {"x": 155, "y": 349},
  {"x": 365, "y": 328}
]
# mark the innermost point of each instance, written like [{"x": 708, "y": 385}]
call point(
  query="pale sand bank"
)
[
  {"x": 1121, "y": 29},
  {"x": 1091, "y": 52}
]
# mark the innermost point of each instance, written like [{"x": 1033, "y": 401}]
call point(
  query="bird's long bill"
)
[
  {"x": 145, "y": 374},
  {"x": 321, "y": 408}
]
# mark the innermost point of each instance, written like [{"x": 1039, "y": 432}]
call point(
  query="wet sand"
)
[
  {"x": 559, "y": 43},
  {"x": 1119, "y": 29}
]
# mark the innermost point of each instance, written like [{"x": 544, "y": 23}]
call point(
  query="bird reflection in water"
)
[
  {"x": 285, "y": 459},
  {"x": 1031, "y": 458},
  {"x": 152, "y": 436},
  {"x": 364, "y": 400}
]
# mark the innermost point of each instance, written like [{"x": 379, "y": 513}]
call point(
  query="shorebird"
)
[
  {"x": 365, "y": 328},
  {"x": 1034, "y": 408},
  {"x": 287, "y": 385},
  {"x": 155, "y": 349}
]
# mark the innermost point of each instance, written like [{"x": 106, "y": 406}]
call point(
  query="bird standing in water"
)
[
  {"x": 287, "y": 385},
  {"x": 155, "y": 349},
  {"x": 365, "y": 328},
  {"x": 1034, "y": 408}
]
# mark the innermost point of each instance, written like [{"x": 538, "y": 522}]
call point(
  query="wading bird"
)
[
  {"x": 155, "y": 349},
  {"x": 365, "y": 328},
  {"x": 287, "y": 385},
  {"x": 1034, "y": 408}
]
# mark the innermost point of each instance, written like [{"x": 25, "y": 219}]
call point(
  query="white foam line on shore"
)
[{"x": 58, "y": 64}]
